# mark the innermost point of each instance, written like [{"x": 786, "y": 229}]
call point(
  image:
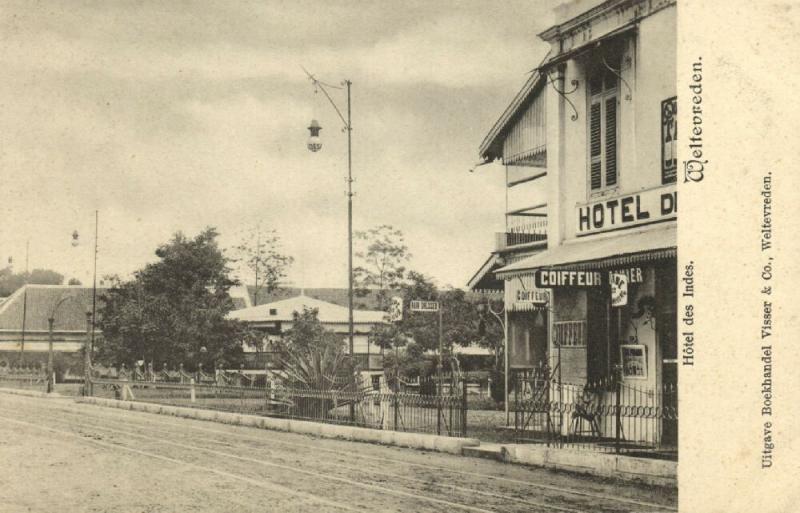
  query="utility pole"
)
[
  {"x": 24, "y": 303},
  {"x": 94, "y": 280}
]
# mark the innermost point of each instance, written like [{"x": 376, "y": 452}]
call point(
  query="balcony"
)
[{"x": 521, "y": 234}]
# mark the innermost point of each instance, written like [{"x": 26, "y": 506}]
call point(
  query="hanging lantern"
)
[
  {"x": 314, "y": 142},
  {"x": 75, "y": 238}
]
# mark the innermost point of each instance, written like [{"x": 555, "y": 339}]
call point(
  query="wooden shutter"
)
[
  {"x": 611, "y": 141},
  {"x": 595, "y": 146}
]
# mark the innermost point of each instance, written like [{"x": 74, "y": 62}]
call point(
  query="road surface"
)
[{"x": 63, "y": 457}]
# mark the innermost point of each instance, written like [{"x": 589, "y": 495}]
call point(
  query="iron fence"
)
[
  {"x": 435, "y": 409},
  {"x": 607, "y": 415},
  {"x": 24, "y": 377}
]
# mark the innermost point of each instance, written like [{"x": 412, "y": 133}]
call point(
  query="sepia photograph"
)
[{"x": 353, "y": 256}]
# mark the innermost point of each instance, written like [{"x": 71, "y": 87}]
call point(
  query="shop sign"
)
[
  {"x": 619, "y": 288},
  {"x": 556, "y": 278},
  {"x": 522, "y": 295},
  {"x": 424, "y": 306},
  {"x": 627, "y": 211},
  {"x": 634, "y": 361},
  {"x": 396, "y": 309}
]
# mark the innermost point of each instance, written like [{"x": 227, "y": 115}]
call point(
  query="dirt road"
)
[{"x": 59, "y": 456}]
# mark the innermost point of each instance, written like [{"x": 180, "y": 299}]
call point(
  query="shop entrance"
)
[{"x": 527, "y": 339}]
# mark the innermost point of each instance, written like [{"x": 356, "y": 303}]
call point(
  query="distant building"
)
[
  {"x": 276, "y": 318},
  {"x": 29, "y": 340},
  {"x": 338, "y": 296}
]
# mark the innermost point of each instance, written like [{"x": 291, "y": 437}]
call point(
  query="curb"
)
[
  {"x": 437, "y": 443},
  {"x": 33, "y": 393},
  {"x": 648, "y": 471}
]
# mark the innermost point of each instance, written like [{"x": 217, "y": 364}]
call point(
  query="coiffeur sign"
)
[
  {"x": 556, "y": 278},
  {"x": 625, "y": 211}
]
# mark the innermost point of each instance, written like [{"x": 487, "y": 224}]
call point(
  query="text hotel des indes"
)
[{"x": 694, "y": 171}]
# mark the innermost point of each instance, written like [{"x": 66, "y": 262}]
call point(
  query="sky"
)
[{"x": 168, "y": 116}]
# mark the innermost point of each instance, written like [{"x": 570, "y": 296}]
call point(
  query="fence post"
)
[
  {"x": 193, "y": 396},
  {"x": 464, "y": 407},
  {"x": 617, "y": 409},
  {"x": 396, "y": 401}
]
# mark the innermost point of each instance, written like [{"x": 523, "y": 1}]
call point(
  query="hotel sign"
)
[{"x": 637, "y": 209}]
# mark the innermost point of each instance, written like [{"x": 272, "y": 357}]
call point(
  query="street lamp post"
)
[
  {"x": 50, "y": 322},
  {"x": 75, "y": 243},
  {"x": 503, "y": 324},
  {"x": 314, "y": 145}
]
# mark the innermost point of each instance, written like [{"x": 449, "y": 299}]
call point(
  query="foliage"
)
[
  {"x": 313, "y": 356},
  {"x": 174, "y": 310},
  {"x": 260, "y": 253},
  {"x": 383, "y": 255},
  {"x": 11, "y": 281},
  {"x": 462, "y": 324},
  {"x": 74, "y": 282}
]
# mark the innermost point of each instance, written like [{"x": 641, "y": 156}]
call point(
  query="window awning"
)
[{"x": 606, "y": 252}]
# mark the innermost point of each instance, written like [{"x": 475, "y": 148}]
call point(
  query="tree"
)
[
  {"x": 74, "y": 281},
  {"x": 260, "y": 254},
  {"x": 174, "y": 310},
  {"x": 10, "y": 281},
  {"x": 383, "y": 255},
  {"x": 313, "y": 356},
  {"x": 461, "y": 322}
]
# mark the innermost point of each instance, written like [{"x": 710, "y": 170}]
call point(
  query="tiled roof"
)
[
  {"x": 283, "y": 310},
  {"x": 41, "y": 300},
  {"x": 330, "y": 295}
]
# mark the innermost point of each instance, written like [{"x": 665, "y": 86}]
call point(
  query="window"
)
[{"x": 603, "y": 90}]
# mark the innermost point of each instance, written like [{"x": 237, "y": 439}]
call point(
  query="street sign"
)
[
  {"x": 396, "y": 309},
  {"x": 424, "y": 306}
]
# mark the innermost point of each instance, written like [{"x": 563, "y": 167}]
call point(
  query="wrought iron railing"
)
[
  {"x": 441, "y": 410},
  {"x": 27, "y": 377},
  {"x": 608, "y": 415}
]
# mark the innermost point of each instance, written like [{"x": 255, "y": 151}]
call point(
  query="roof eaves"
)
[{"x": 488, "y": 149}]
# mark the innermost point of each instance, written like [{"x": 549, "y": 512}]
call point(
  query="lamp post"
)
[
  {"x": 76, "y": 242},
  {"x": 50, "y": 322},
  {"x": 503, "y": 324},
  {"x": 315, "y": 144}
]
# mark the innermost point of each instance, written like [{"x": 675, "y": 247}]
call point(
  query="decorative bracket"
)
[
  {"x": 618, "y": 73},
  {"x": 564, "y": 94}
]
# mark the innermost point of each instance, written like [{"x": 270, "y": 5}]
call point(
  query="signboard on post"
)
[
  {"x": 619, "y": 289},
  {"x": 424, "y": 306},
  {"x": 396, "y": 309}
]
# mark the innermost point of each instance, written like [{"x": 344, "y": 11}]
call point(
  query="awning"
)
[
  {"x": 484, "y": 280},
  {"x": 606, "y": 252},
  {"x": 594, "y": 43}
]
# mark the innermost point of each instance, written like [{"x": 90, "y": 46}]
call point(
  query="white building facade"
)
[{"x": 589, "y": 151}]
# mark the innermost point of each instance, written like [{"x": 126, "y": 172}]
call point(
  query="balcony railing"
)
[{"x": 521, "y": 234}]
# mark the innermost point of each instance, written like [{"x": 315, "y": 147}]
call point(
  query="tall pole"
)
[
  {"x": 349, "y": 222},
  {"x": 505, "y": 362},
  {"x": 94, "y": 281},
  {"x": 350, "y": 239},
  {"x": 87, "y": 356},
  {"x": 24, "y": 303}
]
